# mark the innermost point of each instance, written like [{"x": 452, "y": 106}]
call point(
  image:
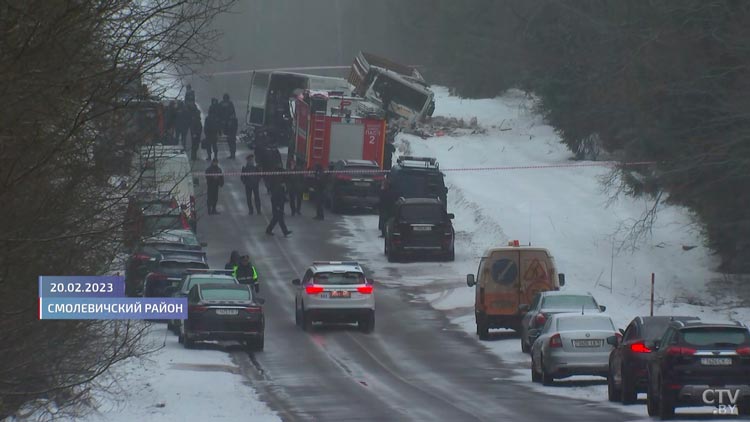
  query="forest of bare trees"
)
[
  {"x": 66, "y": 67},
  {"x": 655, "y": 80}
]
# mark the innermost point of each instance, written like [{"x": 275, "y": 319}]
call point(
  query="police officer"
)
[
  {"x": 214, "y": 180},
  {"x": 251, "y": 183},
  {"x": 231, "y": 132},
  {"x": 320, "y": 185},
  {"x": 278, "y": 198},
  {"x": 245, "y": 273},
  {"x": 296, "y": 188}
]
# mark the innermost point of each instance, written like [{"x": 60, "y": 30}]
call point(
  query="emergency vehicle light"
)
[
  {"x": 514, "y": 243},
  {"x": 335, "y": 263}
]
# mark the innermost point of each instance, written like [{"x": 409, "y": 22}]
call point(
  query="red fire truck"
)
[{"x": 330, "y": 126}]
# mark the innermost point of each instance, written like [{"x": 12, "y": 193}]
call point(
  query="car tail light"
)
[
  {"x": 344, "y": 176},
  {"x": 313, "y": 290},
  {"x": 555, "y": 341},
  {"x": 378, "y": 177},
  {"x": 157, "y": 277},
  {"x": 540, "y": 320},
  {"x": 365, "y": 289},
  {"x": 744, "y": 351},
  {"x": 679, "y": 351},
  {"x": 253, "y": 309},
  {"x": 197, "y": 308},
  {"x": 141, "y": 257},
  {"x": 639, "y": 347}
]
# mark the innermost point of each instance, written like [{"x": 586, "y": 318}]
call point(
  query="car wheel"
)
[
  {"x": 535, "y": 377},
  {"x": 385, "y": 247},
  {"x": 188, "y": 342},
  {"x": 450, "y": 256},
  {"x": 391, "y": 256},
  {"x": 666, "y": 405},
  {"x": 613, "y": 394},
  {"x": 367, "y": 324},
  {"x": 628, "y": 393},
  {"x": 256, "y": 344},
  {"x": 307, "y": 323},
  {"x": 297, "y": 317},
  {"x": 483, "y": 330},
  {"x": 652, "y": 403},
  {"x": 547, "y": 378},
  {"x": 525, "y": 348}
]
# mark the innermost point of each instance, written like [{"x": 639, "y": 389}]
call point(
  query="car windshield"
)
[
  {"x": 155, "y": 224},
  {"x": 569, "y": 302},
  {"x": 422, "y": 212},
  {"x": 172, "y": 266},
  {"x": 192, "y": 281},
  {"x": 226, "y": 294},
  {"x": 654, "y": 330},
  {"x": 365, "y": 170},
  {"x": 711, "y": 336},
  {"x": 582, "y": 323},
  {"x": 416, "y": 184},
  {"x": 339, "y": 278}
]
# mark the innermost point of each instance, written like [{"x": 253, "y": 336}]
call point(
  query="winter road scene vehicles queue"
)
[{"x": 535, "y": 244}]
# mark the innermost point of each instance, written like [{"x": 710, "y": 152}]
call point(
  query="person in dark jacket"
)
[
  {"x": 231, "y": 132},
  {"x": 196, "y": 130},
  {"x": 388, "y": 155},
  {"x": 320, "y": 185},
  {"x": 251, "y": 183},
  {"x": 278, "y": 198},
  {"x": 226, "y": 113},
  {"x": 296, "y": 188},
  {"x": 189, "y": 95},
  {"x": 213, "y": 109},
  {"x": 387, "y": 201},
  {"x": 214, "y": 181},
  {"x": 182, "y": 123},
  {"x": 212, "y": 137},
  {"x": 170, "y": 120},
  {"x": 234, "y": 261}
]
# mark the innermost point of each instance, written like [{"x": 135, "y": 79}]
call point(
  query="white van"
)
[{"x": 166, "y": 169}]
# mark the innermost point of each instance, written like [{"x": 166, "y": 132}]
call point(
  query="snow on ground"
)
[
  {"x": 564, "y": 209},
  {"x": 175, "y": 384}
]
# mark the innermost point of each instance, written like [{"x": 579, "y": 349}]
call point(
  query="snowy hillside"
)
[{"x": 564, "y": 209}]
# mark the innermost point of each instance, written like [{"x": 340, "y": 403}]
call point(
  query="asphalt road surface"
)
[{"x": 414, "y": 366}]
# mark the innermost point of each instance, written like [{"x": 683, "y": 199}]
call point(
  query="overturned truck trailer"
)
[{"x": 400, "y": 90}]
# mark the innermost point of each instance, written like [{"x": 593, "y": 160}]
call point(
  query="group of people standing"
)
[{"x": 220, "y": 120}]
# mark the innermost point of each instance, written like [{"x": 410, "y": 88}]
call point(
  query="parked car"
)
[
  {"x": 693, "y": 361},
  {"x": 148, "y": 253},
  {"x": 193, "y": 277},
  {"x": 571, "y": 344},
  {"x": 417, "y": 177},
  {"x": 419, "y": 227},
  {"x": 334, "y": 292},
  {"x": 627, "y": 362},
  {"x": 224, "y": 312},
  {"x": 149, "y": 214},
  {"x": 548, "y": 303},
  {"x": 507, "y": 278},
  {"x": 354, "y": 190},
  {"x": 169, "y": 271}
]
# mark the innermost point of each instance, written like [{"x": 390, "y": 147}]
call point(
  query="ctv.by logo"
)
[{"x": 719, "y": 398}]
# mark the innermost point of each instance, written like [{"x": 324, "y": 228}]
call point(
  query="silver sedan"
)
[{"x": 572, "y": 344}]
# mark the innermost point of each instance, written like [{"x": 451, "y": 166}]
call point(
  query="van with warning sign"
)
[{"x": 508, "y": 278}]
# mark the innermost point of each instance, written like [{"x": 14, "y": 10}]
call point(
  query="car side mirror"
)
[
  {"x": 470, "y": 281},
  {"x": 602, "y": 308},
  {"x": 534, "y": 334},
  {"x": 170, "y": 291},
  {"x": 523, "y": 307},
  {"x": 204, "y": 244},
  {"x": 260, "y": 300},
  {"x": 622, "y": 331},
  {"x": 612, "y": 340},
  {"x": 561, "y": 279},
  {"x": 296, "y": 282},
  {"x": 451, "y": 216},
  {"x": 653, "y": 344}
]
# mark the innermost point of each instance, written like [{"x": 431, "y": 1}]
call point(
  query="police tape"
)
[{"x": 457, "y": 169}]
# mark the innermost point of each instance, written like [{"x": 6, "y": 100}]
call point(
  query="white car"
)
[
  {"x": 572, "y": 344},
  {"x": 334, "y": 291}
]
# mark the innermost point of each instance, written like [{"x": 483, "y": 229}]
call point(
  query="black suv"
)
[
  {"x": 350, "y": 189},
  {"x": 417, "y": 177},
  {"x": 419, "y": 226},
  {"x": 169, "y": 270},
  {"x": 628, "y": 359},
  {"x": 700, "y": 364}
]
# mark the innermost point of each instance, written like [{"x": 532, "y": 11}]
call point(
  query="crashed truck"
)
[{"x": 399, "y": 88}]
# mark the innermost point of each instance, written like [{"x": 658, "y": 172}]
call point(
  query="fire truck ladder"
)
[{"x": 318, "y": 135}]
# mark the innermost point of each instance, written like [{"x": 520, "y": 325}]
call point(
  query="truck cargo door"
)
[
  {"x": 500, "y": 280},
  {"x": 536, "y": 274},
  {"x": 346, "y": 141},
  {"x": 257, "y": 98}
]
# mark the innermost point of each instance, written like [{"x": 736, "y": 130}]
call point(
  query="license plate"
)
[
  {"x": 362, "y": 184},
  {"x": 341, "y": 295},
  {"x": 716, "y": 361},
  {"x": 422, "y": 228},
  {"x": 227, "y": 312},
  {"x": 587, "y": 343}
]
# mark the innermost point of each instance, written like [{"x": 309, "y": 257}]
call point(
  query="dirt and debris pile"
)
[{"x": 445, "y": 126}]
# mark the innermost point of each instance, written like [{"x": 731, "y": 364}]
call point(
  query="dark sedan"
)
[
  {"x": 223, "y": 312},
  {"x": 169, "y": 271},
  {"x": 350, "y": 189},
  {"x": 627, "y": 363}
]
